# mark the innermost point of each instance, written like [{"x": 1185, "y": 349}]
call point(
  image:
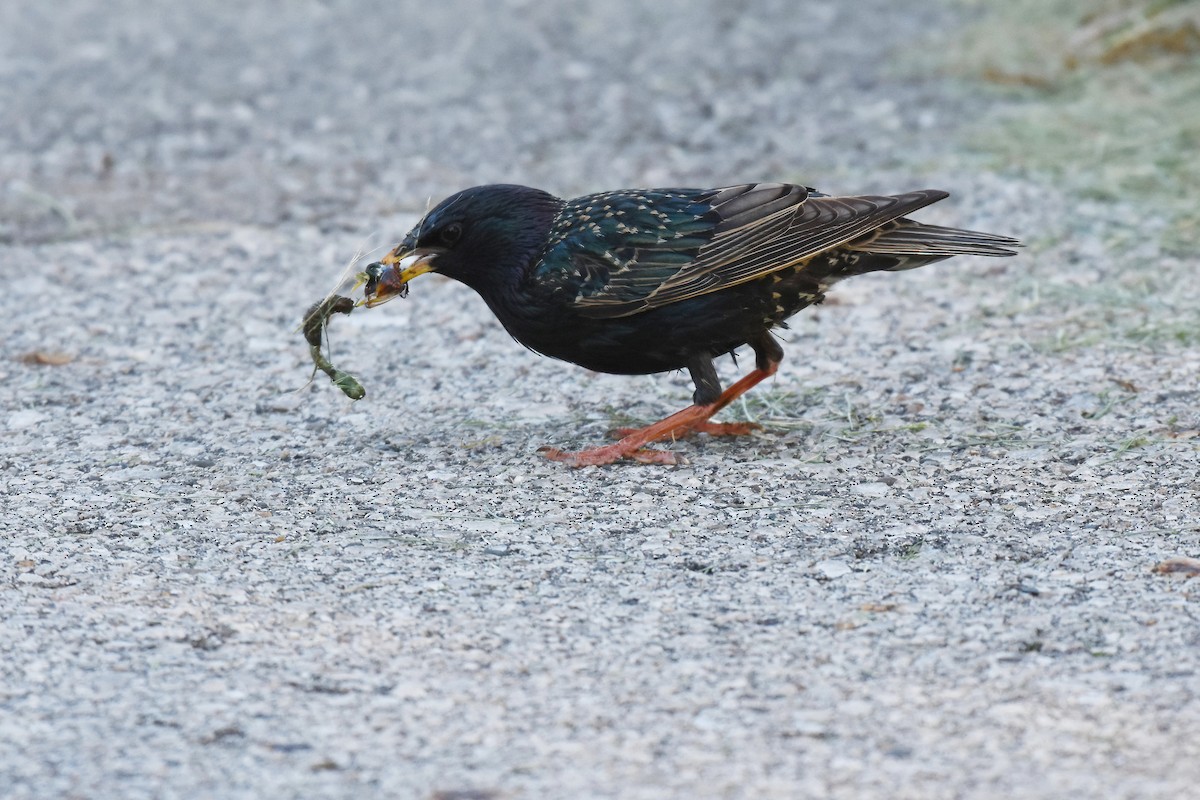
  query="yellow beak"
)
[{"x": 402, "y": 267}]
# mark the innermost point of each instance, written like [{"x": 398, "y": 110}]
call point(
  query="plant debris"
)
[
  {"x": 1179, "y": 565},
  {"x": 46, "y": 358},
  {"x": 316, "y": 320}
]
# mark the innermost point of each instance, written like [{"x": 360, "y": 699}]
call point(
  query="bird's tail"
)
[{"x": 914, "y": 244}]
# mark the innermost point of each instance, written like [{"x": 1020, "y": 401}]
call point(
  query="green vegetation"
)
[{"x": 1105, "y": 98}]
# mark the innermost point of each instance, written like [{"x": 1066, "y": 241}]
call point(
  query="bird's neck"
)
[
  {"x": 508, "y": 290},
  {"x": 499, "y": 262},
  {"x": 506, "y": 281}
]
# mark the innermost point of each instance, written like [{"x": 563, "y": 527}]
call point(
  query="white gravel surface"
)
[{"x": 930, "y": 576}]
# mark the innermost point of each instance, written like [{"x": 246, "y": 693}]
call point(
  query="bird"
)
[{"x": 644, "y": 281}]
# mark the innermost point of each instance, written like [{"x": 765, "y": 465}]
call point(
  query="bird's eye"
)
[{"x": 450, "y": 234}]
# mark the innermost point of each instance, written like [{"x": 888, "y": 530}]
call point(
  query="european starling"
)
[{"x": 652, "y": 280}]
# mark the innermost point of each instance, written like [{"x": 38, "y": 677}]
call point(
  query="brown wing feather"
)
[
  {"x": 764, "y": 228},
  {"x": 906, "y": 237},
  {"x": 814, "y": 226}
]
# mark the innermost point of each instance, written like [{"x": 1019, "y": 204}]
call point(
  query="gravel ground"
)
[{"x": 930, "y": 576}]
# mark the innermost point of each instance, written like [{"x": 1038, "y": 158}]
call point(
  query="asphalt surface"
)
[{"x": 931, "y": 575}]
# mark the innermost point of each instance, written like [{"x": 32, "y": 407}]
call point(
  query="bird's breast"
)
[{"x": 546, "y": 319}]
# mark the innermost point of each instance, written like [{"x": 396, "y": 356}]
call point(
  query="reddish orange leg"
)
[
  {"x": 691, "y": 419},
  {"x": 711, "y": 428}
]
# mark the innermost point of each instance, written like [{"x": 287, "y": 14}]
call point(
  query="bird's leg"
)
[
  {"x": 708, "y": 391},
  {"x": 767, "y": 355}
]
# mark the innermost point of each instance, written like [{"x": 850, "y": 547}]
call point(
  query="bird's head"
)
[{"x": 483, "y": 237}]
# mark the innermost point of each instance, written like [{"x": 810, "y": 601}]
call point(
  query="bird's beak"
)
[{"x": 394, "y": 271}]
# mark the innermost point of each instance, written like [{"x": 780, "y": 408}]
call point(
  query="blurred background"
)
[
  {"x": 127, "y": 114},
  {"x": 1073, "y": 124},
  {"x": 1100, "y": 96}
]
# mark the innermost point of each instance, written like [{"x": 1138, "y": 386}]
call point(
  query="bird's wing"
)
[{"x": 638, "y": 250}]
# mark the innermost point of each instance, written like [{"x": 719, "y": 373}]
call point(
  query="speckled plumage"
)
[{"x": 651, "y": 280}]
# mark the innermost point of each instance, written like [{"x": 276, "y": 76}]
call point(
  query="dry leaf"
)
[
  {"x": 46, "y": 358},
  {"x": 1179, "y": 565},
  {"x": 876, "y": 608}
]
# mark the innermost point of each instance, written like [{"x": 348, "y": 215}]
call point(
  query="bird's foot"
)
[
  {"x": 599, "y": 456},
  {"x": 633, "y": 445},
  {"x": 711, "y": 428}
]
